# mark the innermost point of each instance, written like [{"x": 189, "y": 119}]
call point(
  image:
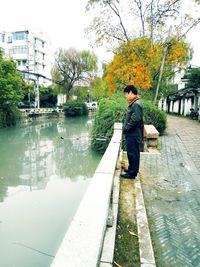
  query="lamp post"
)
[{"x": 89, "y": 98}]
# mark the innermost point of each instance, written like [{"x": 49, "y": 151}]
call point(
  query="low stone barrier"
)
[
  {"x": 150, "y": 137},
  {"x": 83, "y": 242}
]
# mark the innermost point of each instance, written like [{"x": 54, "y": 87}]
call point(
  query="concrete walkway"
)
[{"x": 171, "y": 187}]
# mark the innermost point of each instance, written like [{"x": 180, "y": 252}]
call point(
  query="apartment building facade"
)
[{"x": 31, "y": 51}]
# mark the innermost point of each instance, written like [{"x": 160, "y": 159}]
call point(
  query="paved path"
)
[{"x": 171, "y": 185}]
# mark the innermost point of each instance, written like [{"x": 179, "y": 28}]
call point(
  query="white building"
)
[
  {"x": 31, "y": 51},
  {"x": 185, "y": 99}
]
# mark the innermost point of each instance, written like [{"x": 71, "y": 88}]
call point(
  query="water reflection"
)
[
  {"x": 42, "y": 181},
  {"x": 36, "y": 154}
]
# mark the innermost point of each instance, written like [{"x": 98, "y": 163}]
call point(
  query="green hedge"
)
[
  {"x": 113, "y": 109},
  {"x": 155, "y": 116},
  {"x": 75, "y": 108}
]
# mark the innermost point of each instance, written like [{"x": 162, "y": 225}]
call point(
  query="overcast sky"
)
[{"x": 63, "y": 22}]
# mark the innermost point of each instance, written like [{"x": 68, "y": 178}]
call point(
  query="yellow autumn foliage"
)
[{"x": 137, "y": 62}]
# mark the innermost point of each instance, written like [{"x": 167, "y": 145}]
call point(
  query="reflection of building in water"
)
[
  {"x": 37, "y": 164},
  {"x": 81, "y": 143},
  {"x": 38, "y": 127}
]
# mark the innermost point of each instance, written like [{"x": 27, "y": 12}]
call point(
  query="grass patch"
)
[{"x": 126, "y": 244}]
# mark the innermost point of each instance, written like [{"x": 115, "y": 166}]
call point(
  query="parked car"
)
[
  {"x": 26, "y": 104},
  {"x": 92, "y": 105},
  {"x": 21, "y": 105}
]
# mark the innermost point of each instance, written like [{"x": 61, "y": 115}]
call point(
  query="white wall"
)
[{"x": 61, "y": 99}]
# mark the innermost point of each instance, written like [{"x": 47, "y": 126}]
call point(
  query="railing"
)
[
  {"x": 27, "y": 111},
  {"x": 83, "y": 242}
]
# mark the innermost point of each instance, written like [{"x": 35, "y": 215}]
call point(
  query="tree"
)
[
  {"x": 10, "y": 83},
  {"x": 48, "y": 98},
  {"x": 121, "y": 21},
  {"x": 138, "y": 62},
  {"x": 142, "y": 18},
  {"x": 98, "y": 88},
  {"x": 73, "y": 67},
  {"x": 193, "y": 77},
  {"x": 11, "y": 93}
]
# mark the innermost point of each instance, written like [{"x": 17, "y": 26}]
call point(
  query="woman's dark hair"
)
[{"x": 131, "y": 88}]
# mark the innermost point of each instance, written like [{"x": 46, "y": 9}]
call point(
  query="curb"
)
[
  {"x": 147, "y": 258},
  {"x": 107, "y": 255}
]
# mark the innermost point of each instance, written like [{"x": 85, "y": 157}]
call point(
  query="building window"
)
[
  {"x": 2, "y": 37},
  {"x": 9, "y": 39},
  {"x": 21, "y": 49},
  {"x": 19, "y": 35},
  {"x": 10, "y": 52}
]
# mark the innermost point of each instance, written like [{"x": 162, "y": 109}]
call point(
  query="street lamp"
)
[{"x": 89, "y": 98}]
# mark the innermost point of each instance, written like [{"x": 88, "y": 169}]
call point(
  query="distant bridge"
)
[{"x": 40, "y": 111}]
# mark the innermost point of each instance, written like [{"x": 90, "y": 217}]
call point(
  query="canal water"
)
[{"x": 45, "y": 169}]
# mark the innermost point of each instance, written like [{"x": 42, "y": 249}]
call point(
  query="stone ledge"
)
[
  {"x": 150, "y": 131},
  {"x": 150, "y": 137}
]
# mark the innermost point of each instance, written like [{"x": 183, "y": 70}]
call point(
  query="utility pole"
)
[
  {"x": 165, "y": 54},
  {"x": 37, "y": 92},
  {"x": 162, "y": 65},
  {"x": 161, "y": 72},
  {"x": 28, "y": 67}
]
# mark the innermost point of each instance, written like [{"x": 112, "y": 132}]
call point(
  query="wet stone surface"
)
[{"x": 171, "y": 186}]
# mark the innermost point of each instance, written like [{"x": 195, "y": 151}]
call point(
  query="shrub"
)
[
  {"x": 9, "y": 115},
  {"x": 113, "y": 109},
  {"x": 155, "y": 116},
  {"x": 75, "y": 108}
]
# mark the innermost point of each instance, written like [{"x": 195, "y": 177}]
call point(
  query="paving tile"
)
[{"x": 171, "y": 187}]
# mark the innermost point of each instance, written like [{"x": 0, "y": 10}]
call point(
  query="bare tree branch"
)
[
  {"x": 192, "y": 26},
  {"x": 141, "y": 15},
  {"x": 116, "y": 11}
]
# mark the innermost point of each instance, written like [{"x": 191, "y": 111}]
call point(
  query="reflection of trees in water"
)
[
  {"x": 22, "y": 157},
  {"x": 74, "y": 158},
  {"x": 3, "y": 189},
  {"x": 73, "y": 155},
  {"x": 11, "y": 155},
  {"x": 31, "y": 154}
]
